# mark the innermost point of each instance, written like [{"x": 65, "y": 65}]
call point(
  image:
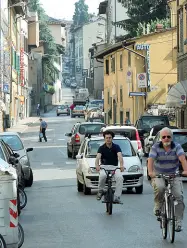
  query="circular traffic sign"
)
[
  {"x": 129, "y": 73},
  {"x": 141, "y": 77},
  {"x": 183, "y": 97}
]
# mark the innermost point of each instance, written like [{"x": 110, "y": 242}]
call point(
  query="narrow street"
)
[{"x": 58, "y": 216}]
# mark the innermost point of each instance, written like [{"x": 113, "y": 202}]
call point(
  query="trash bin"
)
[{"x": 8, "y": 204}]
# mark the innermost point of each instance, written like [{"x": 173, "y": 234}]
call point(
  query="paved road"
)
[{"x": 57, "y": 216}]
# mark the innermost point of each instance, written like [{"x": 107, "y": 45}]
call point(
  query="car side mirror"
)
[
  {"x": 68, "y": 134},
  {"x": 16, "y": 155},
  {"x": 29, "y": 149},
  {"x": 79, "y": 156}
]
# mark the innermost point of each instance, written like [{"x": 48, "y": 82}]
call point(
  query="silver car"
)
[
  {"x": 15, "y": 143},
  {"x": 63, "y": 110}
]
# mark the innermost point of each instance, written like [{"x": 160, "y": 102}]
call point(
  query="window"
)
[
  {"x": 113, "y": 64},
  {"x": 13, "y": 141},
  {"x": 90, "y": 128},
  {"x": 121, "y": 95},
  {"x": 108, "y": 97},
  {"x": 129, "y": 58},
  {"x": 107, "y": 66},
  {"x": 121, "y": 117},
  {"x": 121, "y": 61}
]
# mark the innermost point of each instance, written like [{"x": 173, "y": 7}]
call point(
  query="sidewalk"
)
[{"x": 22, "y": 125}]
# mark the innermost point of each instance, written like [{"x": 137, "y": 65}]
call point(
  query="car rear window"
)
[
  {"x": 150, "y": 122},
  {"x": 79, "y": 108},
  {"x": 13, "y": 141},
  {"x": 181, "y": 138},
  {"x": 90, "y": 128},
  {"x": 124, "y": 144},
  {"x": 129, "y": 133}
]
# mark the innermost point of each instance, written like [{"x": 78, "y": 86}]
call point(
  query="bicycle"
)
[
  {"x": 167, "y": 214},
  {"x": 2, "y": 242},
  {"x": 109, "y": 193}
]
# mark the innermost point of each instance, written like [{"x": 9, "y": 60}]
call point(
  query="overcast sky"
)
[{"x": 64, "y": 9}]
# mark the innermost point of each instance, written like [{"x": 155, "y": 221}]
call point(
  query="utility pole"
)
[{"x": 115, "y": 19}]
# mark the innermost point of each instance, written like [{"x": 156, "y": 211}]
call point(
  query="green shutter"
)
[
  {"x": 15, "y": 60},
  {"x": 18, "y": 64}
]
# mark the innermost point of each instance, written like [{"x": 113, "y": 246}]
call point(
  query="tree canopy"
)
[
  {"x": 81, "y": 15},
  {"x": 50, "y": 47},
  {"x": 142, "y": 11}
]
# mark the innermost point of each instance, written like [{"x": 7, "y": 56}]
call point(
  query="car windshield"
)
[
  {"x": 79, "y": 108},
  {"x": 13, "y": 141},
  {"x": 181, "y": 138},
  {"x": 151, "y": 122},
  {"x": 128, "y": 133},
  {"x": 125, "y": 145},
  {"x": 2, "y": 154},
  {"x": 90, "y": 128}
]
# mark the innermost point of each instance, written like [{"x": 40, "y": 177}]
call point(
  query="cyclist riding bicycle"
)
[
  {"x": 164, "y": 158},
  {"x": 109, "y": 154}
]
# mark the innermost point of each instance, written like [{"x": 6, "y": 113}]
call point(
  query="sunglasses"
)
[{"x": 168, "y": 137}]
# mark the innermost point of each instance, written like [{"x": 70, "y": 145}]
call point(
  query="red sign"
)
[{"x": 22, "y": 67}]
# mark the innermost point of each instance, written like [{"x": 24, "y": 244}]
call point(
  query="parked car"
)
[
  {"x": 180, "y": 137},
  {"x": 63, "y": 110},
  {"x": 78, "y": 111},
  {"x": 77, "y": 135},
  {"x": 151, "y": 135},
  {"x": 87, "y": 176},
  {"x": 15, "y": 143},
  {"x": 131, "y": 133},
  {"x": 146, "y": 122},
  {"x": 73, "y": 85}
]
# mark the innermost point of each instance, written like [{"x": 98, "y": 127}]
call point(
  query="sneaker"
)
[
  {"x": 99, "y": 195},
  {"x": 178, "y": 226},
  {"x": 156, "y": 211},
  {"x": 117, "y": 199}
]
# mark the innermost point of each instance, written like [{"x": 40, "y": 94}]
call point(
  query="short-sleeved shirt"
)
[
  {"x": 166, "y": 162},
  {"x": 43, "y": 124},
  {"x": 109, "y": 155}
]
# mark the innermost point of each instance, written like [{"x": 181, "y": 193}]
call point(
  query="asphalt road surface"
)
[{"x": 58, "y": 216}]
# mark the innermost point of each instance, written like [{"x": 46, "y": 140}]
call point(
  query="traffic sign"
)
[
  {"x": 5, "y": 88},
  {"x": 183, "y": 100},
  {"x": 129, "y": 76},
  {"x": 142, "y": 80}
]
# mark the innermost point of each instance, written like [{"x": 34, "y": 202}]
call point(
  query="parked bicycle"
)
[
  {"x": 109, "y": 192},
  {"x": 21, "y": 235},
  {"x": 2, "y": 242},
  {"x": 167, "y": 216}
]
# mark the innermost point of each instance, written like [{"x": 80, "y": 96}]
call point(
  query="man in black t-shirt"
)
[{"x": 110, "y": 154}]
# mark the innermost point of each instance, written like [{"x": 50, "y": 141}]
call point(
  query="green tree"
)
[
  {"x": 142, "y": 11},
  {"x": 50, "y": 47},
  {"x": 81, "y": 15}
]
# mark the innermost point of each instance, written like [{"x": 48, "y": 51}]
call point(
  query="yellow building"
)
[
  {"x": 125, "y": 65},
  {"x": 177, "y": 94}
]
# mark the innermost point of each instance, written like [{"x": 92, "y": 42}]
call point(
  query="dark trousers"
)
[{"x": 44, "y": 135}]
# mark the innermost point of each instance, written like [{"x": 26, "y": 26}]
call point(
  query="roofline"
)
[
  {"x": 63, "y": 25},
  {"x": 128, "y": 42}
]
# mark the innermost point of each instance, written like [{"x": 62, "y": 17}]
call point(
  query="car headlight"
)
[
  {"x": 134, "y": 168},
  {"x": 23, "y": 161},
  {"x": 91, "y": 170}
]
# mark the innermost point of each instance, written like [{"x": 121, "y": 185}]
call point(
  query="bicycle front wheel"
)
[
  {"x": 2, "y": 242},
  {"x": 163, "y": 221},
  {"x": 171, "y": 219},
  {"x": 109, "y": 201}
]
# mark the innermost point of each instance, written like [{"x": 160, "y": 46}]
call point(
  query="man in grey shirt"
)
[{"x": 43, "y": 127}]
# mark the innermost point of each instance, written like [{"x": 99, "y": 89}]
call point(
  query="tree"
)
[
  {"x": 142, "y": 11},
  {"x": 81, "y": 15},
  {"x": 49, "y": 44}
]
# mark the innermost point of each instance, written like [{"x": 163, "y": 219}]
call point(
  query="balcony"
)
[
  {"x": 19, "y": 9},
  {"x": 33, "y": 30}
]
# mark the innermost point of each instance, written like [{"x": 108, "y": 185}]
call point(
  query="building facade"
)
[{"x": 127, "y": 94}]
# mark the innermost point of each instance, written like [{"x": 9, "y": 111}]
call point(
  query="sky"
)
[{"x": 64, "y": 9}]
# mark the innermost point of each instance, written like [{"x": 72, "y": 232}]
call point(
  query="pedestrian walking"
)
[{"x": 43, "y": 127}]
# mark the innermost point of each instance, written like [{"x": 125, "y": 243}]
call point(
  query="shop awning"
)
[{"x": 176, "y": 97}]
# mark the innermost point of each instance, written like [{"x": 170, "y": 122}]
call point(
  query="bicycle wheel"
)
[
  {"x": 110, "y": 201},
  {"x": 163, "y": 221},
  {"x": 22, "y": 198},
  {"x": 171, "y": 219},
  {"x": 20, "y": 235},
  {"x": 2, "y": 242}
]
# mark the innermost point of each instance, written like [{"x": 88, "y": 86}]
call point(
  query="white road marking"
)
[
  {"x": 53, "y": 174},
  {"x": 45, "y": 147},
  {"x": 61, "y": 139},
  {"x": 47, "y": 163},
  {"x": 71, "y": 163},
  {"x": 145, "y": 170}
]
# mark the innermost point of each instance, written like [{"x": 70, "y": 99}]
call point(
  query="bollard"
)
[{"x": 8, "y": 208}]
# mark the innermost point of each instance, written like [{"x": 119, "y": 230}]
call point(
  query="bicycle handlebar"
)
[{"x": 170, "y": 176}]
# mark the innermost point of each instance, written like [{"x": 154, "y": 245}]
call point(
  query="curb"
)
[{"x": 27, "y": 127}]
